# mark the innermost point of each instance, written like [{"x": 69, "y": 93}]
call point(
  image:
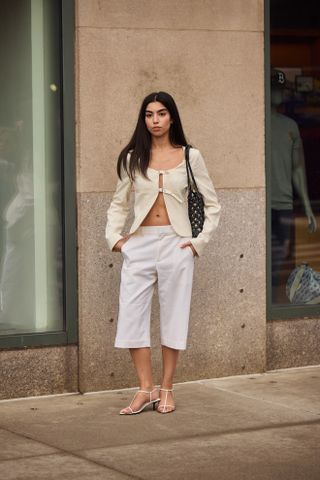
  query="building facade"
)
[{"x": 86, "y": 66}]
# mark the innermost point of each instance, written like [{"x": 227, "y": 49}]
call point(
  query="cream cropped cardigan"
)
[{"x": 175, "y": 193}]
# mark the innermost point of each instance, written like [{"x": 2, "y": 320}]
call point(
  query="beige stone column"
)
[{"x": 210, "y": 56}]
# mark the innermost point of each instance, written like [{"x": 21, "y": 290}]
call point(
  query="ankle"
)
[
  {"x": 147, "y": 387},
  {"x": 167, "y": 386}
]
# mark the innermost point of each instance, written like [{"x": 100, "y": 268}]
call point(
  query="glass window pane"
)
[
  {"x": 31, "y": 286},
  {"x": 295, "y": 144}
]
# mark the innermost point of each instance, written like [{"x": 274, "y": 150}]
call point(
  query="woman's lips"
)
[{"x": 156, "y": 128}]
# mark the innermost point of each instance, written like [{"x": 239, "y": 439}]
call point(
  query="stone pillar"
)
[{"x": 210, "y": 56}]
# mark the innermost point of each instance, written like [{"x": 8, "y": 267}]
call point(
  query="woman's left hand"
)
[{"x": 189, "y": 245}]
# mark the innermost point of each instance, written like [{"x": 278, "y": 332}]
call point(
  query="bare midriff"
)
[{"x": 158, "y": 215}]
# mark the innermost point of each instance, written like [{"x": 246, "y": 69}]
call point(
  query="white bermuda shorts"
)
[{"x": 150, "y": 255}]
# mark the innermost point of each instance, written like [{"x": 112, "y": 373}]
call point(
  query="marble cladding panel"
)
[
  {"x": 38, "y": 371},
  {"x": 168, "y": 14},
  {"x": 216, "y": 78},
  {"x": 227, "y": 325},
  {"x": 293, "y": 343}
]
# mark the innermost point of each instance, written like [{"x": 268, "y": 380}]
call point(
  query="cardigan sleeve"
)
[
  {"x": 212, "y": 207},
  {"x": 118, "y": 210}
]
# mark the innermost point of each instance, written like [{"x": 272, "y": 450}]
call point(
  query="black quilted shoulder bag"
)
[{"x": 195, "y": 200}]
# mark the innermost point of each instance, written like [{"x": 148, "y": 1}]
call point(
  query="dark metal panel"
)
[
  {"x": 33, "y": 340},
  {"x": 69, "y": 187}
]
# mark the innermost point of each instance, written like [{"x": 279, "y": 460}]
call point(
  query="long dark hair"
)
[{"x": 140, "y": 144}]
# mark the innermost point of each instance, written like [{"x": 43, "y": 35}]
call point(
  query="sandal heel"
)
[
  {"x": 129, "y": 409},
  {"x": 155, "y": 405}
]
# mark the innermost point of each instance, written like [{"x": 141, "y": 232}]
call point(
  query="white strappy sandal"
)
[
  {"x": 164, "y": 407},
  {"x": 150, "y": 402}
]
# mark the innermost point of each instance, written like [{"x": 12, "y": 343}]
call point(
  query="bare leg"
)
[
  {"x": 169, "y": 360},
  {"x": 142, "y": 361}
]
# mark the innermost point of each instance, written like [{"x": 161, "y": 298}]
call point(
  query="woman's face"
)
[{"x": 158, "y": 119}]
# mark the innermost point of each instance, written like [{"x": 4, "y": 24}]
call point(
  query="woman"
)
[{"x": 159, "y": 247}]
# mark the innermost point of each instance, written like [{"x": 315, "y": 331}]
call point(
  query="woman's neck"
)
[{"x": 161, "y": 143}]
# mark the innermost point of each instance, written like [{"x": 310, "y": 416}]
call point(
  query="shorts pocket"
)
[
  {"x": 191, "y": 251},
  {"x": 185, "y": 240},
  {"x": 125, "y": 245}
]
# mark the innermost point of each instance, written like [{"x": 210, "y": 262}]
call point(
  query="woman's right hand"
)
[{"x": 119, "y": 244}]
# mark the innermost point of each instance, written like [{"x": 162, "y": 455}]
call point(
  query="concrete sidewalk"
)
[{"x": 259, "y": 427}]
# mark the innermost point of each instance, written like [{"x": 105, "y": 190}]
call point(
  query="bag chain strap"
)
[{"x": 193, "y": 187}]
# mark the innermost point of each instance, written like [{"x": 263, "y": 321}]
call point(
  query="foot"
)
[
  {"x": 140, "y": 398},
  {"x": 167, "y": 404}
]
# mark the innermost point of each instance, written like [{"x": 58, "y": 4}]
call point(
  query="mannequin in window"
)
[{"x": 287, "y": 173}]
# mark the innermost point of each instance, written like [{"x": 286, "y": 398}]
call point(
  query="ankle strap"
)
[{"x": 166, "y": 389}]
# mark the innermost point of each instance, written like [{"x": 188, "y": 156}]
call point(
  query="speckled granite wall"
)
[
  {"x": 293, "y": 343},
  {"x": 38, "y": 371},
  {"x": 227, "y": 326}
]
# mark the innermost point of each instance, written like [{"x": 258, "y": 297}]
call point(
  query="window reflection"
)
[
  {"x": 295, "y": 163},
  {"x": 288, "y": 176},
  {"x": 30, "y": 168}
]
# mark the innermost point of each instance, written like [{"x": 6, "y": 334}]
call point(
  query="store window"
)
[
  {"x": 293, "y": 160},
  {"x": 32, "y": 274}
]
